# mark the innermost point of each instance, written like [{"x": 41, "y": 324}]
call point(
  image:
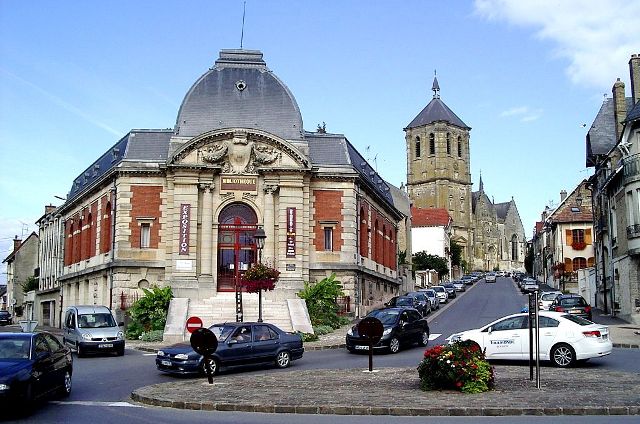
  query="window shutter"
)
[
  {"x": 569, "y": 237},
  {"x": 590, "y": 261},
  {"x": 587, "y": 236},
  {"x": 568, "y": 265}
]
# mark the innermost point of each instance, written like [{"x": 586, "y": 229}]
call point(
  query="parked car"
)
[
  {"x": 490, "y": 277},
  {"x": 573, "y": 304},
  {"x": 441, "y": 293},
  {"x": 529, "y": 285},
  {"x": 32, "y": 366},
  {"x": 468, "y": 279},
  {"x": 239, "y": 343},
  {"x": 564, "y": 338},
  {"x": 5, "y": 318},
  {"x": 405, "y": 301},
  {"x": 547, "y": 298},
  {"x": 402, "y": 327},
  {"x": 451, "y": 290},
  {"x": 459, "y": 285},
  {"x": 424, "y": 304},
  {"x": 431, "y": 295},
  {"x": 92, "y": 328}
]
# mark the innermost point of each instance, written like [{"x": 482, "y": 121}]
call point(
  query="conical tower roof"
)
[{"x": 436, "y": 111}]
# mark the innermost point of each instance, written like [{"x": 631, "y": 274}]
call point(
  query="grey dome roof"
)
[{"x": 240, "y": 92}]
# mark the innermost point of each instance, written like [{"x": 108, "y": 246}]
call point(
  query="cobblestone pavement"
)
[{"x": 395, "y": 391}]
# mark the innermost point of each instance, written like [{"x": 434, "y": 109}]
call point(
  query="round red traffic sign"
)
[{"x": 193, "y": 323}]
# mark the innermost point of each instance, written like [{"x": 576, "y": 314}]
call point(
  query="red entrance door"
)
[{"x": 236, "y": 246}]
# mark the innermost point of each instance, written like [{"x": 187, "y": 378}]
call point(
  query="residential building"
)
[
  {"x": 48, "y": 308},
  {"x": 22, "y": 264},
  {"x": 431, "y": 233}
]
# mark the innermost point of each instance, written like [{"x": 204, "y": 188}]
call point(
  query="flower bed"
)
[{"x": 459, "y": 366}]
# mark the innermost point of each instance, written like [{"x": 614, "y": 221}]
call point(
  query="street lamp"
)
[{"x": 259, "y": 238}]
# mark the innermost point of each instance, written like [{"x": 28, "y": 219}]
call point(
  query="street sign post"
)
[
  {"x": 193, "y": 323},
  {"x": 371, "y": 328},
  {"x": 204, "y": 342},
  {"x": 534, "y": 335}
]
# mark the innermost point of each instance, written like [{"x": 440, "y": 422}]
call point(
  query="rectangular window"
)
[
  {"x": 145, "y": 235},
  {"x": 328, "y": 239},
  {"x": 578, "y": 236}
]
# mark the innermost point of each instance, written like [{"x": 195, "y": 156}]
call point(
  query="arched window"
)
[
  {"x": 432, "y": 144},
  {"x": 579, "y": 263},
  {"x": 448, "y": 143},
  {"x": 364, "y": 235},
  {"x": 77, "y": 247},
  {"x": 514, "y": 248},
  {"x": 385, "y": 246},
  {"x": 418, "y": 147},
  {"x": 105, "y": 229},
  {"x": 375, "y": 241},
  {"x": 459, "y": 147}
]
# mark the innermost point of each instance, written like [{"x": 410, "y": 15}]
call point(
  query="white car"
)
[
  {"x": 546, "y": 299},
  {"x": 441, "y": 293},
  {"x": 564, "y": 338},
  {"x": 490, "y": 277}
]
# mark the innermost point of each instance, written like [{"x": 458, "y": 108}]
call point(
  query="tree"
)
[
  {"x": 30, "y": 284},
  {"x": 423, "y": 261},
  {"x": 456, "y": 253}
]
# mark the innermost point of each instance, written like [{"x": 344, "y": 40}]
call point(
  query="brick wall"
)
[
  {"x": 105, "y": 225},
  {"x": 145, "y": 203},
  {"x": 328, "y": 208}
]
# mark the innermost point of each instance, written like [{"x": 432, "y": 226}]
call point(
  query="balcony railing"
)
[
  {"x": 631, "y": 166},
  {"x": 633, "y": 231}
]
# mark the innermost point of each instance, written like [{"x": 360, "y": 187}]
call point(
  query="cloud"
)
[
  {"x": 524, "y": 113},
  {"x": 596, "y": 37}
]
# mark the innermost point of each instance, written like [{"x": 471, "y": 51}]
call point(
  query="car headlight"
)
[
  {"x": 4, "y": 387},
  {"x": 183, "y": 356},
  {"x": 160, "y": 353},
  {"x": 455, "y": 338},
  {"x": 386, "y": 332},
  {"x": 350, "y": 332},
  {"x": 86, "y": 336},
  {"x": 120, "y": 335}
]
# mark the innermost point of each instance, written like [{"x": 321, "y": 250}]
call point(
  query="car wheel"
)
[
  {"x": 213, "y": 366},
  {"x": 394, "y": 345},
  {"x": 424, "y": 339},
  {"x": 66, "y": 384},
  {"x": 283, "y": 359},
  {"x": 563, "y": 355}
]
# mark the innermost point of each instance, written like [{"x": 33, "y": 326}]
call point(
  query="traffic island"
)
[{"x": 396, "y": 391}]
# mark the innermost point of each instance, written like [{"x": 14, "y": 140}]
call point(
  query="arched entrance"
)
[{"x": 237, "y": 224}]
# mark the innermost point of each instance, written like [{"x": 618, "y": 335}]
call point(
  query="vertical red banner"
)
[
  {"x": 185, "y": 225},
  {"x": 291, "y": 232}
]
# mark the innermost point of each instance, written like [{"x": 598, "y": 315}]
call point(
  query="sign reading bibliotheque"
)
[
  {"x": 238, "y": 183},
  {"x": 291, "y": 232},
  {"x": 185, "y": 225}
]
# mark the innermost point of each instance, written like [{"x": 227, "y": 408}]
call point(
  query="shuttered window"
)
[
  {"x": 568, "y": 237},
  {"x": 568, "y": 265},
  {"x": 587, "y": 236}
]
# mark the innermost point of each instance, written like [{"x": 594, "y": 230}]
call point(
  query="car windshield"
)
[
  {"x": 96, "y": 320},
  {"x": 221, "y": 331},
  {"x": 549, "y": 296},
  {"x": 12, "y": 348},
  {"x": 404, "y": 301},
  {"x": 577, "y": 320},
  {"x": 430, "y": 293},
  {"x": 438, "y": 289},
  {"x": 387, "y": 317},
  {"x": 573, "y": 301}
]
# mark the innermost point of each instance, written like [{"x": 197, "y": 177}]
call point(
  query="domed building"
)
[{"x": 181, "y": 207}]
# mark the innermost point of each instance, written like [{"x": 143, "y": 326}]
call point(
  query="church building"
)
[{"x": 438, "y": 176}]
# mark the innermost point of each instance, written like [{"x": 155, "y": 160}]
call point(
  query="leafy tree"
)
[
  {"x": 149, "y": 312},
  {"x": 423, "y": 260},
  {"x": 402, "y": 257},
  {"x": 456, "y": 253},
  {"x": 321, "y": 301},
  {"x": 30, "y": 284}
]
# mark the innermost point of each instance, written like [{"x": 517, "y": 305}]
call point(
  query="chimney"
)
[
  {"x": 619, "y": 106},
  {"x": 634, "y": 71},
  {"x": 563, "y": 195},
  {"x": 48, "y": 209},
  {"x": 16, "y": 243}
]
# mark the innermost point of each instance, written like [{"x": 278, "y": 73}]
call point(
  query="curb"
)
[{"x": 376, "y": 410}]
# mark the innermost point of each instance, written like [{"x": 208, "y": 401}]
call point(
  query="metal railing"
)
[
  {"x": 631, "y": 166},
  {"x": 633, "y": 231}
]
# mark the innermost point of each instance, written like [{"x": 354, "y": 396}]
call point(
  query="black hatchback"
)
[
  {"x": 5, "y": 318},
  {"x": 402, "y": 327},
  {"x": 573, "y": 304}
]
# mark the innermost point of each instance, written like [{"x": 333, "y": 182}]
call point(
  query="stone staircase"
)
[{"x": 287, "y": 314}]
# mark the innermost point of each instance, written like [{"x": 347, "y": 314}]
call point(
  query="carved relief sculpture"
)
[{"x": 239, "y": 155}]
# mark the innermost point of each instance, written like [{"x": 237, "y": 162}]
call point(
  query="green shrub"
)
[
  {"x": 308, "y": 337},
  {"x": 321, "y": 301},
  {"x": 134, "y": 330},
  {"x": 458, "y": 366},
  {"x": 321, "y": 330},
  {"x": 152, "y": 336},
  {"x": 149, "y": 313}
]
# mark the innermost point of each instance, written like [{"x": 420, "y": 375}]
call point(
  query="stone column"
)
[
  {"x": 269, "y": 223},
  {"x": 207, "y": 229}
]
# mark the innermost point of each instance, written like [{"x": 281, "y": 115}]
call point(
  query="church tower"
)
[{"x": 438, "y": 165}]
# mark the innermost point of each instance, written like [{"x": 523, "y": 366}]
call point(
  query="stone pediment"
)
[{"x": 239, "y": 151}]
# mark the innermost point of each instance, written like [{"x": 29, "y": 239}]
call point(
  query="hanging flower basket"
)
[
  {"x": 259, "y": 277},
  {"x": 578, "y": 245}
]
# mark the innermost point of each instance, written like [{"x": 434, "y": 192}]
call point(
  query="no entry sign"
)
[{"x": 193, "y": 323}]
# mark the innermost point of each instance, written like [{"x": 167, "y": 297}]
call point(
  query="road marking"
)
[
  {"x": 95, "y": 403},
  {"x": 149, "y": 354},
  {"x": 434, "y": 336}
]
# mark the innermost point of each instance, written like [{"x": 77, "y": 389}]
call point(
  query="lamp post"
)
[{"x": 259, "y": 238}]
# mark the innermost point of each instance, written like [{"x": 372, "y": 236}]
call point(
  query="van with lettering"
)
[{"x": 92, "y": 329}]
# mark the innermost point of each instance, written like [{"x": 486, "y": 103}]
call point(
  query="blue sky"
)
[{"x": 524, "y": 74}]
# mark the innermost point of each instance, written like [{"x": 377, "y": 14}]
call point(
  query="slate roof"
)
[
  {"x": 137, "y": 145},
  {"x": 502, "y": 209},
  {"x": 436, "y": 111},
  {"x": 601, "y": 137},
  {"x": 336, "y": 150},
  {"x": 429, "y": 217},
  {"x": 240, "y": 91},
  {"x": 634, "y": 113}
]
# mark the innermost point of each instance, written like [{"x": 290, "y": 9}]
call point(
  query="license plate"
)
[
  {"x": 105, "y": 345},
  {"x": 166, "y": 363},
  {"x": 362, "y": 347},
  {"x": 574, "y": 311}
]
